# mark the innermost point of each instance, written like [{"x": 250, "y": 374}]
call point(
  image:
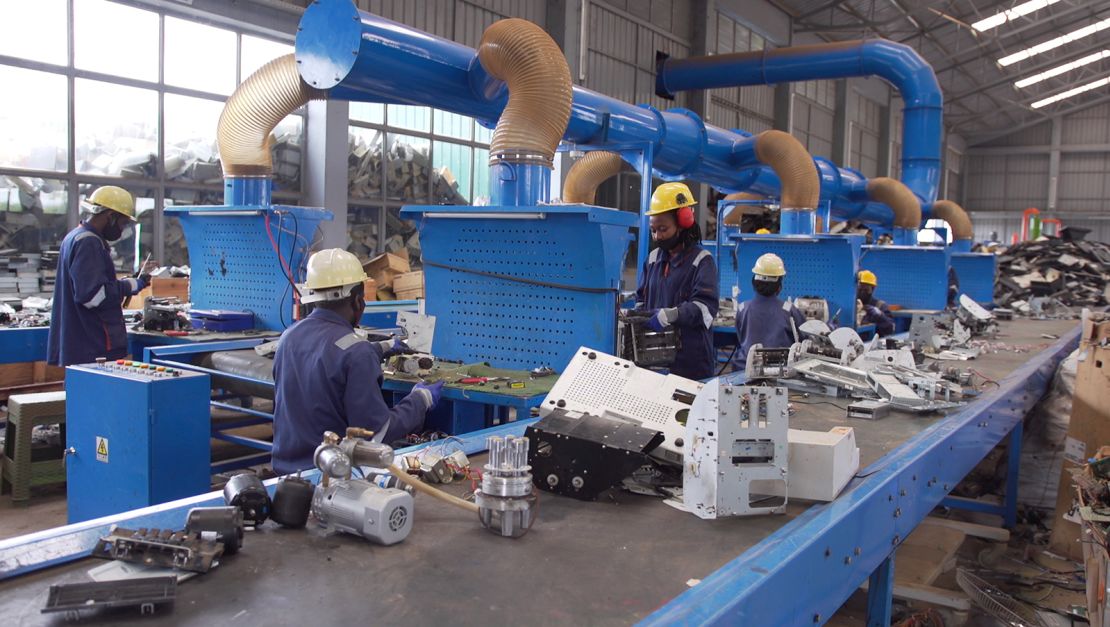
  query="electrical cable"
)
[
  {"x": 508, "y": 277},
  {"x": 729, "y": 360}
]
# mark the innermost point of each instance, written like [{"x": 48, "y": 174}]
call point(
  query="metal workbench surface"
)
[{"x": 608, "y": 562}]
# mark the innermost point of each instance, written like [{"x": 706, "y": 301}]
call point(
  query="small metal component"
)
[
  {"x": 644, "y": 347},
  {"x": 868, "y": 409},
  {"x": 505, "y": 500},
  {"x": 361, "y": 452},
  {"x": 158, "y": 547},
  {"x": 246, "y": 492},
  {"x": 355, "y": 506},
  {"x": 332, "y": 461},
  {"x": 292, "y": 502},
  {"x": 222, "y": 524},
  {"x": 145, "y": 592},
  {"x": 389, "y": 480}
]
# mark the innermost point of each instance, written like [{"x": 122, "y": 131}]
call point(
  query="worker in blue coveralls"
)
[
  {"x": 678, "y": 283},
  {"x": 875, "y": 311},
  {"x": 87, "y": 318},
  {"x": 766, "y": 319},
  {"x": 328, "y": 378}
]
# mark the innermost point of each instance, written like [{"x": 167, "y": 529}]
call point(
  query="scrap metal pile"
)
[
  {"x": 1043, "y": 278},
  {"x": 881, "y": 376}
]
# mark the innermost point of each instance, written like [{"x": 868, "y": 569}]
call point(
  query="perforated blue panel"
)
[
  {"x": 816, "y": 265},
  {"x": 233, "y": 263},
  {"x": 909, "y": 276},
  {"x": 727, "y": 267},
  {"x": 976, "y": 272},
  {"x": 510, "y": 323}
]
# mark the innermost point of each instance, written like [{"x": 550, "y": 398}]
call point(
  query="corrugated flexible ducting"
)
[
  {"x": 733, "y": 217},
  {"x": 593, "y": 169},
  {"x": 540, "y": 91},
  {"x": 956, "y": 218},
  {"x": 801, "y": 187},
  {"x": 251, "y": 113},
  {"x": 894, "y": 194}
]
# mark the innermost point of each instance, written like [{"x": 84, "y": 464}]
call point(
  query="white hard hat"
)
[
  {"x": 331, "y": 275},
  {"x": 769, "y": 265}
]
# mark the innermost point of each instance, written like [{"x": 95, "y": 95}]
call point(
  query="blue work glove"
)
[
  {"x": 872, "y": 313},
  {"x": 662, "y": 318},
  {"x": 430, "y": 392},
  {"x": 396, "y": 346}
]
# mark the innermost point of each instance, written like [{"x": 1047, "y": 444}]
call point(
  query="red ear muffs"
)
[{"x": 685, "y": 217}]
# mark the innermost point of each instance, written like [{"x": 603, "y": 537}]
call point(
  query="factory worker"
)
[
  {"x": 678, "y": 284},
  {"x": 875, "y": 311},
  {"x": 327, "y": 377},
  {"x": 766, "y": 319},
  {"x": 87, "y": 319}
]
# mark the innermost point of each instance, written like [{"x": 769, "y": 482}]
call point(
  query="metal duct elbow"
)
[
  {"x": 540, "y": 91},
  {"x": 956, "y": 218},
  {"x": 783, "y": 153},
  {"x": 587, "y": 173},
  {"x": 902, "y": 201},
  {"x": 251, "y": 113}
]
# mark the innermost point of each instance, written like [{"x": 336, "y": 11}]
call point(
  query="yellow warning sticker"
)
[{"x": 101, "y": 449}]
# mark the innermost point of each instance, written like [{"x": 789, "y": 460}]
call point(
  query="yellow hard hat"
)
[
  {"x": 331, "y": 275},
  {"x": 867, "y": 277},
  {"x": 770, "y": 265},
  {"x": 111, "y": 197},
  {"x": 670, "y": 196},
  {"x": 763, "y": 232}
]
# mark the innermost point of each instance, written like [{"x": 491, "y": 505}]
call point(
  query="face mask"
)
[
  {"x": 672, "y": 241},
  {"x": 113, "y": 231}
]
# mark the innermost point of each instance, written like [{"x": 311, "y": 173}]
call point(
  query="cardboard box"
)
[
  {"x": 411, "y": 284},
  {"x": 370, "y": 290},
  {"x": 165, "y": 287},
  {"x": 385, "y": 267},
  {"x": 1088, "y": 431}
]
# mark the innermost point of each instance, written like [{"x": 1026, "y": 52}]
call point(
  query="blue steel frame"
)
[
  {"x": 832, "y": 547},
  {"x": 835, "y": 547}
]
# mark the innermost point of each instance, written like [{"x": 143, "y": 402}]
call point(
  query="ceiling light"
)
[
  {"x": 1055, "y": 42},
  {"x": 1072, "y": 92},
  {"x": 1060, "y": 69},
  {"x": 998, "y": 19}
]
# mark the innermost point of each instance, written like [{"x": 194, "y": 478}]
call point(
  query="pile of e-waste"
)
[{"x": 1047, "y": 277}]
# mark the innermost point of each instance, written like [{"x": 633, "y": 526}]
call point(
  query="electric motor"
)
[
  {"x": 292, "y": 502},
  {"x": 381, "y": 515},
  {"x": 223, "y": 524},
  {"x": 246, "y": 492}
]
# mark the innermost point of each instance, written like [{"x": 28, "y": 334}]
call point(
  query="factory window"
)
[
  {"x": 31, "y": 32},
  {"x": 34, "y": 120},
  {"x": 116, "y": 129},
  {"x": 190, "y": 139},
  {"x": 452, "y": 164},
  {"x": 209, "y": 67},
  {"x": 453, "y": 125},
  {"x": 410, "y": 118},
  {"x": 34, "y": 214},
  {"x": 370, "y": 112},
  {"x": 114, "y": 39},
  {"x": 256, "y": 52}
]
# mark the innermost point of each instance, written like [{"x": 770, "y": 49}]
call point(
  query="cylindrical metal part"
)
[
  {"x": 389, "y": 480},
  {"x": 332, "y": 461},
  {"x": 246, "y": 492},
  {"x": 365, "y": 453},
  {"x": 223, "y": 524},
  {"x": 292, "y": 502},
  {"x": 380, "y": 515},
  {"x": 505, "y": 499}
]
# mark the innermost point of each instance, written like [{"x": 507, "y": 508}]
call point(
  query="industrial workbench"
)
[{"x": 615, "y": 561}]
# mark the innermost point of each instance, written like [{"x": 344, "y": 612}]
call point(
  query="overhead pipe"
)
[
  {"x": 904, "y": 204},
  {"x": 584, "y": 177},
  {"x": 250, "y": 114},
  {"x": 959, "y": 221},
  {"x": 896, "y": 63}
]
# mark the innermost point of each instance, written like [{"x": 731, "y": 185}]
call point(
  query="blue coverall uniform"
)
[
  {"x": 327, "y": 378},
  {"x": 883, "y": 319},
  {"x": 765, "y": 320},
  {"x": 686, "y": 279},
  {"x": 87, "y": 318}
]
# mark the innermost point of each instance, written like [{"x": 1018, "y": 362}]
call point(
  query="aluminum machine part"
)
[
  {"x": 582, "y": 456},
  {"x": 354, "y": 506},
  {"x": 160, "y": 547},
  {"x": 977, "y": 319},
  {"x": 737, "y": 435},
  {"x": 868, "y": 409},
  {"x": 767, "y": 363},
  {"x": 813, "y": 308},
  {"x": 332, "y": 461},
  {"x": 505, "y": 500},
  {"x": 246, "y": 492},
  {"x": 362, "y": 452},
  {"x": 602, "y": 385},
  {"x": 223, "y": 524},
  {"x": 850, "y": 379}
]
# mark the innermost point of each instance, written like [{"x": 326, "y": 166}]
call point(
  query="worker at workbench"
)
[
  {"x": 875, "y": 311},
  {"x": 766, "y": 319},
  {"x": 87, "y": 318},
  {"x": 327, "y": 377},
  {"x": 678, "y": 284}
]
